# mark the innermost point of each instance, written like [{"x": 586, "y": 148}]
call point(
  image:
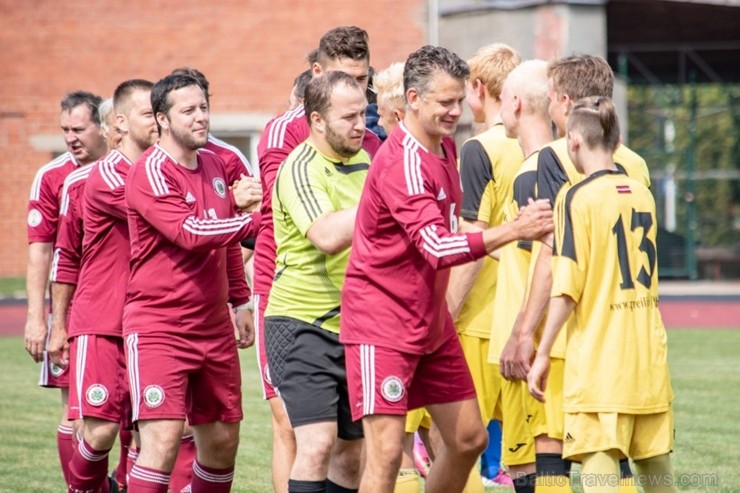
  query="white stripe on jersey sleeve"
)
[
  {"x": 153, "y": 168},
  {"x": 56, "y": 163}
]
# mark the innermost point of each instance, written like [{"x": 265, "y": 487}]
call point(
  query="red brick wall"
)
[{"x": 250, "y": 50}]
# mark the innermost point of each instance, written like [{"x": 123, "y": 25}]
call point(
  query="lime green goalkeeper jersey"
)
[{"x": 308, "y": 283}]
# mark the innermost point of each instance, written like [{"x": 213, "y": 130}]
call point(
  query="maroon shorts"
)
[
  {"x": 260, "y": 303},
  {"x": 52, "y": 376},
  {"x": 98, "y": 381},
  {"x": 178, "y": 376},
  {"x": 382, "y": 380}
]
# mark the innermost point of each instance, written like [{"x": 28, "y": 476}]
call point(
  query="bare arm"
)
[
  {"x": 58, "y": 347},
  {"x": 332, "y": 232},
  {"x": 37, "y": 274},
  {"x": 560, "y": 309}
]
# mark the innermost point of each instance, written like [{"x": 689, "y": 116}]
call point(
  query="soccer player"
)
[
  {"x": 185, "y": 266},
  {"x": 488, "y": 163},
  {"x": 617, "y": 397},
  {"x": 402, "y": 349},
  {"x": 108, "y": 125},
  {"x": 314, "y": 204},
  {"x": 388, "y": 85},
  {"x": 569, "y": 79},
  {"x": 524, "y": 116},
  {"x": 344, "y": 49},
  {"x": 80, "y": 123},
  {"x": 100, "y": 395}
]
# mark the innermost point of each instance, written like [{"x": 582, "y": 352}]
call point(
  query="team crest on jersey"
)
[
  {"x": 219, "y": 185},
  {"x": 96, "y": 394},
  {"x": 34, "y": 218},
  {"x": 55, "y": 370},
  {"x": 153, "y": 396},
  {"x": 392, "y": 389}
]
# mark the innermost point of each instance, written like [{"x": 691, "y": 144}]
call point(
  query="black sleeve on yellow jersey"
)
[
  {"x": 550, "y": 175},
  {"x": 475, "y": 174},
  {"x": 524, "y": 189},
  {"x": 568, "y": 247}
]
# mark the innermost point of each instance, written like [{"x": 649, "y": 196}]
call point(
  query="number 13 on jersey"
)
[{"x": 640, "y": 224}]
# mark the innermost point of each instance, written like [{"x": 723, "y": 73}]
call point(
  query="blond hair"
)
[
  {"x": 388, "y": 85},
  {"x": 529, "y": 81},
  {"x": 491, "y": 65},
  {"x": 579, "y": 76}
]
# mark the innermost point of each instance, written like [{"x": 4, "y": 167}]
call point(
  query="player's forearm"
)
[
  {"x": 498, "y": 236},
  {"x": 332, "y": 232},
  {"x": 538, "y": 294},
  {"x": 209, "y": 234},
  {"x": 560, "y": 309},
  {"x": 61, "y": 295},
  {"x": 37, "y": 274},
  {"x": 462, "y": 279}
]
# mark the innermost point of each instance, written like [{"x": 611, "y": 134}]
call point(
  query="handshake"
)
[{"x": 247, "y": 193}]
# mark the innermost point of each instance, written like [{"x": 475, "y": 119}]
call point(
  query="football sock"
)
[
  {"x": 124, "y": 437},
  {"x": 211, "y": 480},
  {"x": 145, "y": 480},
  {"x": 88, "y": 468},
  {"x": 657, "y": 473},
  {"x": 552, "y": 474},
  {"x": 600, "y": 472},
  {"x": 627, "y": 479},
  {"x": 332, "y": 487},
  {"x": 525, "y": 484},
  {"x": 298, "y": 486},
  {"x": 182, "y": 471},
  {"x": 408, "y": 481},
  {"x": 65, "y": 448}
]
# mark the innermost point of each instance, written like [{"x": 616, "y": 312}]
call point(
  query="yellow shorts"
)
[
  {"x": 486, "y": 377},
  {"x": 417, "y": 418},
  {"x": 637, "y": 436},
  {"x": 522, "y": 416},
  {"x": 554, "y": 414}
]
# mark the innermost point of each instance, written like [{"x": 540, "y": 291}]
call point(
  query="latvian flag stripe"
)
[{"x": 623, "y": 189}]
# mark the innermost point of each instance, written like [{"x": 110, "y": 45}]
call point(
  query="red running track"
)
[{"x": 677, "y": 313}]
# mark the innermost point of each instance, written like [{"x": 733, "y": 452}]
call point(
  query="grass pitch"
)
[{"x": 704, "y": 366}]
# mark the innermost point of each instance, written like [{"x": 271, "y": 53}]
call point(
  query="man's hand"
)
[
  {"x": 508, "y": 354},
  {"x": 34, "y": 337},
  {"x": 58, "y": 346},
  {"x": 522, "y": 361},
  {"x": 244, "y": 321},
  {"x": 535, "y": 220},
  {"x": 537, "y": 377},
  {"x": 247, "y": 193}
]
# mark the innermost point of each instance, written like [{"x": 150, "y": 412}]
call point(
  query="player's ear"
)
[
  {"x": 317, "y": 121},
  {"x": 317, "y": 69},
  {"x": 121, "y": 123},
  {"x": 164, "y": 122},
  {"x": 412, "y": 98}
]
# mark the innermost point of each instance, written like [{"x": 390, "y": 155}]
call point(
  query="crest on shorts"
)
[
  {"x": 219, "y": 186},
  {"x": 392, "y": 389},
  {"x": 266, "y": 374},
  {"x": 55, "y": 370},
  {"x": 153, "y": 396},
  {"x": 34, "y": 218},
  {"x": 96, "y": 394}
]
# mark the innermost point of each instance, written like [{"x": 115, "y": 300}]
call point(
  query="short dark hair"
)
[
  {"x": 125, "y": 89},
  {"x": 77, "y": 98},
  {"x": 161, "y": 102},
  {"x": 596, "y": 118},
  {"x": 422, "y": 64},
  {"x": 301, "y": 82},
  {"x": 343, "y": 42},
  {"x": 319, "y": 91},
  {"x": 581, "y": 75},
  {"x": 198, "y": 75}
]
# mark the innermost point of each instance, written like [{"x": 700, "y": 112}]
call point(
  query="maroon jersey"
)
[
  {"x": 105, "y": 250},
  {"x": 404, "y": 241},
  {"x": 236, "y": 163},
  {"x": 46, "y": 196},
  {"x": 282, "y": 134},
  {"x": 65, "y": 266},
  {"x": 185, "y": 258}
]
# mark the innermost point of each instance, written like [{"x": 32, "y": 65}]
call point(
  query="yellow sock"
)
[
  {"x": 627, "y": 485},
  {"x": 475, "y": 483},
  {"x": 553, "y": 484},
  {"x": 653, "y": 470},
  {"x": 408, "y": 481}
]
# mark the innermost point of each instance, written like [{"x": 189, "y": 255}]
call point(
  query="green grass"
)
[
  {"x": 705, "y": 379},
  {"x": 12, "y": 286}
]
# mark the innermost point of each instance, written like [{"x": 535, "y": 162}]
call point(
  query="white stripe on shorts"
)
[
  {"x": 132, "y": 362},
  {"x": 367, "y": 370}
]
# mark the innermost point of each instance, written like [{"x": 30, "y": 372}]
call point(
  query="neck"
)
[
  {"x": 324, "y": 148},
  {"x": 533, "y": 134},
  {"x": 594, "y": 160},
  {"x": 185, "y": 157},
  {"x": 131, "y": 150},
  {"x": 433, "y": 143},
  {"x": 492, "y": 111}
]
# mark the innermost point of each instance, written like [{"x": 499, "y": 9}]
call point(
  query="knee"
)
[
  {"x": 99, "y": 434},
  {"x": 471, "y": 442},
  {"x": 386, "y": 454},
  {"x": 222, "y": 445},
  {"x": 347, "y": 460},
  {"x": 316, "y": 451}
]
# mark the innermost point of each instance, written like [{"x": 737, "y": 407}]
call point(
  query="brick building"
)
[{"x": 250, "y": 50}]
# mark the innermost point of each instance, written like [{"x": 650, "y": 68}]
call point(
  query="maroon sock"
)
[
  {"x": 124, "y": 437},
  {"x": 182, "y": 471},
  {"x": 145, "y": 480},
  {"x": 88, "y": 468},
  {"x": 210, "y": 480},
  {"x": 65, "y": 447},
  {"x": 131, "y": 460}
]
